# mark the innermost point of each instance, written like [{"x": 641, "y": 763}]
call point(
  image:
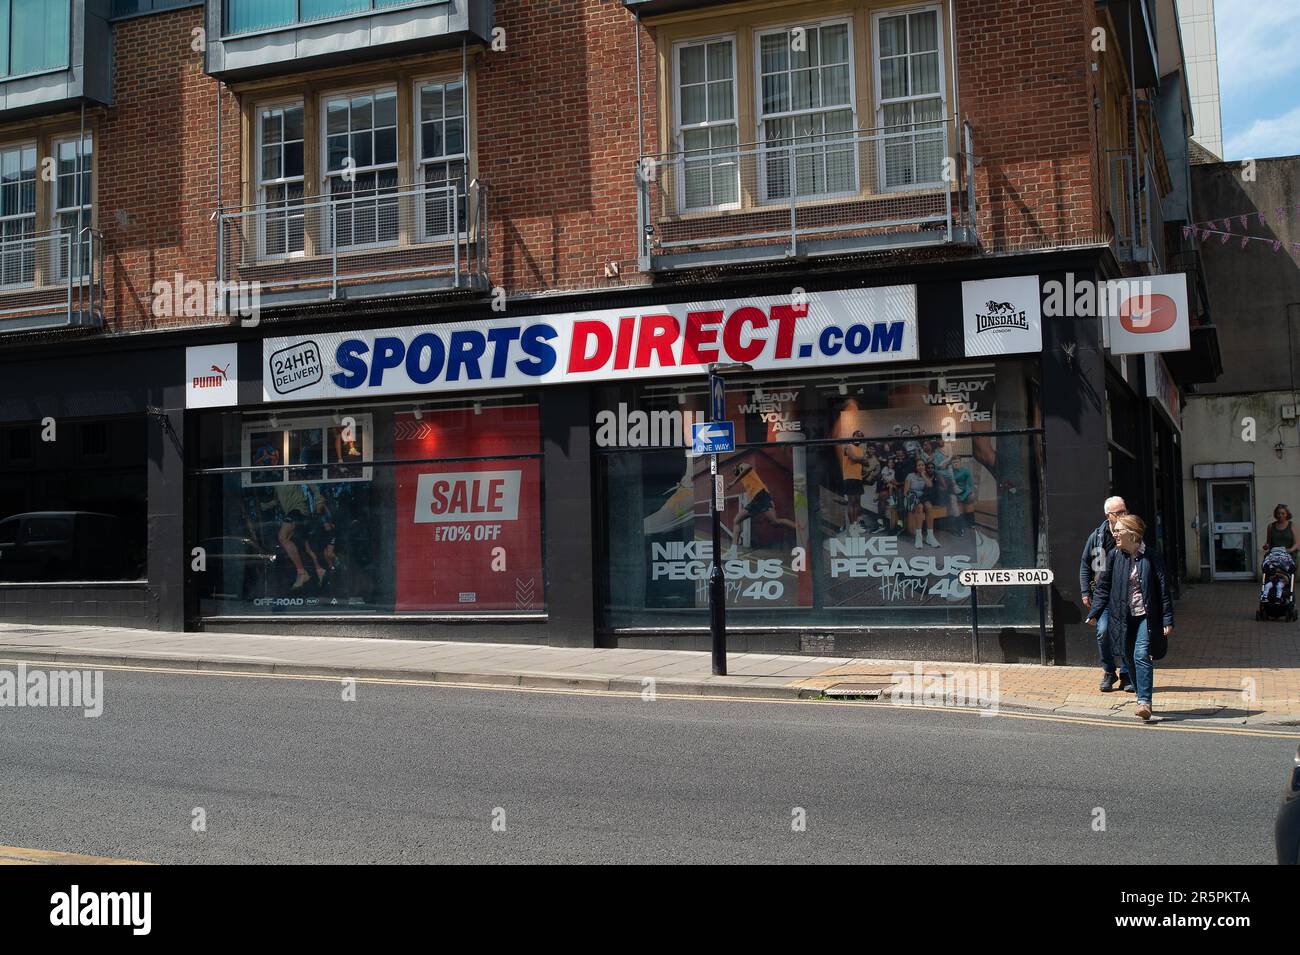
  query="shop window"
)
[
  {"x": 850, "y": 501},
  {"x": 426, "y": 509},
  {"x": 75, "y": 509}
]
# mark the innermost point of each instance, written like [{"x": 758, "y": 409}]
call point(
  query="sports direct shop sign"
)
[{"x": 849, "y": 327}]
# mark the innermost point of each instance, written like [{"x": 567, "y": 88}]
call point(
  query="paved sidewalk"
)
[{"x": 1222, "y": 664}]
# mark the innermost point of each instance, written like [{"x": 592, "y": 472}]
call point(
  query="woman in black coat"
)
[{"x": 1133, "y": 588}]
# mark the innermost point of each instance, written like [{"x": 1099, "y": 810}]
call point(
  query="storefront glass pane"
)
[
  {"x": 384, "y": 509},
  {"x": 72, "y": 500},
  {"x": 854, "y": 509}
]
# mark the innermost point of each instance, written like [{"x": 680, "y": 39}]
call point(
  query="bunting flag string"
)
[
  {"x": 1198, "y": 232},
  {"x": 1244, "y": 219}
]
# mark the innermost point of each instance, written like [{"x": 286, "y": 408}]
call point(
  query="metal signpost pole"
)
[
  {"x": 717, "y": 582},
  {"x": 1042, "y": 625},
  {"x": 1038, "y": 577}
]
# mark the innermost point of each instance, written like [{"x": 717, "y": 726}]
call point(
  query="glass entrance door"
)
[{"x": 1232, "y": 530}]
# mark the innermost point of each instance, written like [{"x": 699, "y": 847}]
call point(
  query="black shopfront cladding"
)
[
  {"x": 301, "y": 509},
  {"x": 91, "y": 484}
]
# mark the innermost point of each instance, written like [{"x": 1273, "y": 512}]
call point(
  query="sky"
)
[{"x": 1259, "y": 77}]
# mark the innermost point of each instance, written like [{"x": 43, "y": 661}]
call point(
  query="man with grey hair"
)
[{"x": 1092, "y": 564}]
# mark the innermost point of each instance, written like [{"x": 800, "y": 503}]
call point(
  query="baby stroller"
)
[{"x": 1277, "y": 597}]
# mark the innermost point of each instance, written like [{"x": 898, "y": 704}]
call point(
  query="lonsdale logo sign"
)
[{"x": 999, "y": 315}]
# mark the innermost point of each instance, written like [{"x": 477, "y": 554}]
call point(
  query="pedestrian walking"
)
[
  {"x": 1091, "y": 564},
  {"x": 1133, "y": 588},
  {"x": 1281, "y": 533}
]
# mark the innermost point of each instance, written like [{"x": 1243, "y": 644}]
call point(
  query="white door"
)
[{"x": 1232, "y": 529}]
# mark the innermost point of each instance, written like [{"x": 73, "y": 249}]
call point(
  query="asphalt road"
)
[{"x": 286, "y": 771}]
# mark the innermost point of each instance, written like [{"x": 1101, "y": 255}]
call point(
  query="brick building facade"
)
[{"x": 392, "y": 179}]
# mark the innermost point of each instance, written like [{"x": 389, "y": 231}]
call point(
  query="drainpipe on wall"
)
[{"x": 640, "y": 126}]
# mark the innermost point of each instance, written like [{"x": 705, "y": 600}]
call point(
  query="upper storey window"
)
[
  {"x": 245, "y": 16},
  {"x": 34, "y": 36}
]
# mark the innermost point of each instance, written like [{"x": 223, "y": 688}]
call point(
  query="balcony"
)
[
  {"x": 255, "y": 38},
  {"x": 38, "y": 291},
  {"x": 360, "y": 244},
  {"x": 835, "y": 193},
  {"x": 54, "y": 55},
  {"x": 1136, "y": 211}
]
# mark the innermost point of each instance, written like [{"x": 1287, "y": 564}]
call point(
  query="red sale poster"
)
[{"x": 469, "y": 532}]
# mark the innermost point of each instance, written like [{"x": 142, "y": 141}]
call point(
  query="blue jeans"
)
[
  {"x": 1105, "y": 647},
  {"x": 1137, "y": 654}
]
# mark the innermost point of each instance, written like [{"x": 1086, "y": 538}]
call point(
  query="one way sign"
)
[{"x": 713, "y": 437}]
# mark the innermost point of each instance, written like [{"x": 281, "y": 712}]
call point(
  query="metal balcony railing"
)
[
  {"x": 1135, "y": 210},
  {"x": 51, "y": 279},
  {"x": 806, "y": 195},
  {"x": 362, "y": 240}
]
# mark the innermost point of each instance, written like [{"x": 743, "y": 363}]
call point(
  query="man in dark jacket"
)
[
  {"x": 1134, "y": 591},
  {"x": 1091, "y": 565}
]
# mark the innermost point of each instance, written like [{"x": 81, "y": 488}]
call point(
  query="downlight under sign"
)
[{"x": 848, "y": 327}]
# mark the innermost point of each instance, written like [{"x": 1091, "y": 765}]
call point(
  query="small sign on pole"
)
[
  {"x": 1037, "y": 577},
  {"x": 713, "y": 437},
  {"x": 1040, "y": 576}
]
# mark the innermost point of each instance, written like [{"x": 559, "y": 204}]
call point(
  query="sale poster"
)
[{"x": 469, "y": 524}]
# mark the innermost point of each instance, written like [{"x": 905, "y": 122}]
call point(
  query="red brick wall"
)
[
  {"x": 1024, "y": 84},
  {"x": 157, "y": 166},
  {"x": 558, "y": 143}
]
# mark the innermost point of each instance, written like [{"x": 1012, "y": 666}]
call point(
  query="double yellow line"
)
[{"x": 12, "y": 855}]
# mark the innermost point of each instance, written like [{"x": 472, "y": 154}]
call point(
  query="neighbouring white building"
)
[{"x": 1201, "y": 54}]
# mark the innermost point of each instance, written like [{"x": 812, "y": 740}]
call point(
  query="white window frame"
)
[
  {"x": 880, "y": 104},
  {"x": 20, "y": 146},
  {"x": 679, "y": 144},
  {"x": 327, "y": 194},
  {"x": 421, "y": 162},
  {"x": 87, "y": 207},
  {"x": 760, "y": 136},
  {"x": 285, "y": 181}
]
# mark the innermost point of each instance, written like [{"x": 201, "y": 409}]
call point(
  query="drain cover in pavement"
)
[{"x": 871, "y": 691}]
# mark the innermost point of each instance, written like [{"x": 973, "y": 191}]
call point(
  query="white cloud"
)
[
  {"x": 1258, "y": 41},
  {"x": 1274, "y": 136}
]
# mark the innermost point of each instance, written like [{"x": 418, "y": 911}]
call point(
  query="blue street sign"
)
[
  {"x": 718, "y": 396},
  {"x": 713, "y": 437}
]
